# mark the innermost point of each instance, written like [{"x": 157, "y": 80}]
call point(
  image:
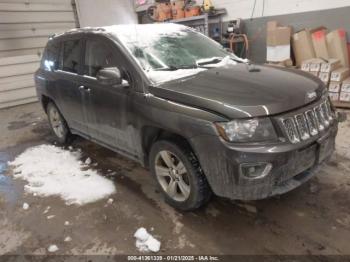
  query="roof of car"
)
[{"x": 118, "y": 28}]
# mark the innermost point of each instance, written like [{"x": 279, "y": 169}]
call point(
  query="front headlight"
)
[{"x": 249, "y": 130}]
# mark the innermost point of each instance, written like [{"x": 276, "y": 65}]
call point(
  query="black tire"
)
[
  {"x": 66, "y": 136},
  {"x": 200, "y": 192}
]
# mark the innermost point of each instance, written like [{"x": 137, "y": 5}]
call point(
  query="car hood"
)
[{"x": 243, "y": 90}]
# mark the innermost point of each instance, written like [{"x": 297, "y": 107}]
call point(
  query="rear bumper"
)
[{"x": 292, "y": 165}]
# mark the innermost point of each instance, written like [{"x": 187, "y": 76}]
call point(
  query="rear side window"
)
[
  {"x": 71, "y": 56},
  {"x": 50, "y": 60},
  {"x": 97, "y": 56}
]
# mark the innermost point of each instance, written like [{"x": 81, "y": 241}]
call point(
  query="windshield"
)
[{"x": 171, "y": 47}]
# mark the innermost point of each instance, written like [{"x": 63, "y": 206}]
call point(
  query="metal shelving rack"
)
[{"x": 199, "y": 23}]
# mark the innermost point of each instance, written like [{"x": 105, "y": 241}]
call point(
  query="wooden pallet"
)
[{"x": 340, "y": 104}]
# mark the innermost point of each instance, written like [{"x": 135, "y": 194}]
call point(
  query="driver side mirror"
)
[{"x": 109, "y": 76}]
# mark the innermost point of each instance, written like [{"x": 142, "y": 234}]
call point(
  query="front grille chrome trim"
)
[
  {"x": 291, "y": 130},
  {"x": 303, "y": 125},
  {"x": 311, "y": 122}
]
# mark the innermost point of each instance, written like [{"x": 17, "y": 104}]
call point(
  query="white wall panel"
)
[
  {"x": 25, "y": 26},
  {"x": 105, "y": 12},
  {"x": 244, "y": 8}
]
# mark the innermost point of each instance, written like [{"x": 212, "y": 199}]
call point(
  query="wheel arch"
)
[{"x": 151, "y": 134}]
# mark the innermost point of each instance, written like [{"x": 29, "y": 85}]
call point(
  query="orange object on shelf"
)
[
  {"x": 163, "y": 12},
  {"x": 178, "y": 9},
  {"x": 192, "y": 11}
]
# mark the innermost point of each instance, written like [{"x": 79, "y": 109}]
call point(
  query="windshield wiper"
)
[
  {"x": 174, "y": 68},
  {"x": 214, "y": 60}
]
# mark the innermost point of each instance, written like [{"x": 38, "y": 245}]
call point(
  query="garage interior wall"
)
[
  {"x": 297, "y": 13},
  {"x": 25, "y": 26},
  {"x": 105, "y": 12}
]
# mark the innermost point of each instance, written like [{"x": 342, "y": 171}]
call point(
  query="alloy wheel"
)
[
  {"x": 172, "y": 176},
  {"x": 56, "y": 122}
]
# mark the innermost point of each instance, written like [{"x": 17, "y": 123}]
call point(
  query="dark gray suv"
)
[{"x": 201, "y": 119}]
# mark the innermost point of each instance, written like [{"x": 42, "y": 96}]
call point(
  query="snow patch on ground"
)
[
  {"x": 53, "y": 171},
  {"x": 146, "y": 242},
  {"x": 52, "y": 248},
  {"x": 25, "y": 206}
]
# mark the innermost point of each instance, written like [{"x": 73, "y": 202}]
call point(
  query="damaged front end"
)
[{"x": 257, "y": 170}]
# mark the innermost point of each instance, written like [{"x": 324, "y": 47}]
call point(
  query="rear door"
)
[{"x": 68, "y": 84}]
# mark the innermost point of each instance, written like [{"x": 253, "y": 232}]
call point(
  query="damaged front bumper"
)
[{"x": 291, "y": 165}]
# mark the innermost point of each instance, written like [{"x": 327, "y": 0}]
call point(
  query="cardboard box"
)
[
  {"x": 344, "y": 96},
  {"x": 302, "y": 46},
  {"x": 345, "y": 87},
  {"x": 315, "y": 64},
  {"x": 333, "y": 96},
  {"x": 279, "y": 36},
  {"x": 340, "y": 74},
  {"x": 277, "y": 53},
  {"x": 325, "y": 77},
  {"x": 337, "y": 46},
  {"x": 271, "y": 25},
  {"x": 319, "y": 41},
  {"x": 277, "y": 42},
  {"x": 305, "y": 66},
  {"x": 314, "y": 73},
  {"x": 334, "y": 86},
  {"x": 331, "y": 65}
]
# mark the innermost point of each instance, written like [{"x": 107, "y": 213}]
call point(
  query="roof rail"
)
[{"x": 79, "y": 30}]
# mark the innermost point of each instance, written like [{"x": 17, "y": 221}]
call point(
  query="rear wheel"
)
[
  {"x": 58, "y": 124},
  {"x": 179, "y": 175}
]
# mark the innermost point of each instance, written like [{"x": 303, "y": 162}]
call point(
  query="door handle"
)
[{"x": 84, "y": 88}]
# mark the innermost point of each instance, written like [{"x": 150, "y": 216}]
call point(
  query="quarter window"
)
[
  {"x": 51, "y": 56},
  {"x": 71, "y": 56},
  {"x": 97, "y": 56}
]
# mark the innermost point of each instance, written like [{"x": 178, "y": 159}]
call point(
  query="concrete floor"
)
[{"x": 313, "y": 219}]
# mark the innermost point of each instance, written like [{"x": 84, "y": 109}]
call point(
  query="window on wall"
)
[
  {"x": 97, "y": 56},
  {"x": 71, "y": 56}
]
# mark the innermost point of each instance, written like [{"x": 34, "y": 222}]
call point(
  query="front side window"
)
[
  {"x": 71, "y": 56},
  {"x": 97, "y": 56}
]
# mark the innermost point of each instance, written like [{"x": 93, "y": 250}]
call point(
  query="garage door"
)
[{"x": 25, "y": 26}]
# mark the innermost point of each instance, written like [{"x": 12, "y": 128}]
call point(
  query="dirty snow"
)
[
  {"x": 88, "y": 161},
  {"x": 52, "y": 248},
  {"x": 67, "y": 239},
  {"x": 25, "y": 206},
  {"x": 53, "y": 171},
  {"x": 163, "y": 76},
  {"x": 47, "y": 210},
  {"x": 146, "y": 242}
]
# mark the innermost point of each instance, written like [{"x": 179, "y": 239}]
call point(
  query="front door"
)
[{"x": 106, "y": 106}]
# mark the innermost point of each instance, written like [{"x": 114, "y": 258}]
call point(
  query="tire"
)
[
  {"x": 197, "y": 190},
  {"x": 58, "y": 124}
]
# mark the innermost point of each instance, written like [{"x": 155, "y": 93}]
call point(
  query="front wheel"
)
[{"x": 179, "y": 175}]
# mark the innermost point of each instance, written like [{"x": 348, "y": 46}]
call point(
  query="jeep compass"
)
[{"x": 202, "y": 120}]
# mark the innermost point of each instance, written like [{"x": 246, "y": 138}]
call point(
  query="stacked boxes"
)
[
  {"x": 345, "y": 91},
  {"x": 332, "y": 74},
  {"x": 327, "y": 68},
  {"x": 337, "y": 78}
]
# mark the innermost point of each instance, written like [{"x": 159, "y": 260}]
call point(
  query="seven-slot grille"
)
[{"x": 302, "y": 126}]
